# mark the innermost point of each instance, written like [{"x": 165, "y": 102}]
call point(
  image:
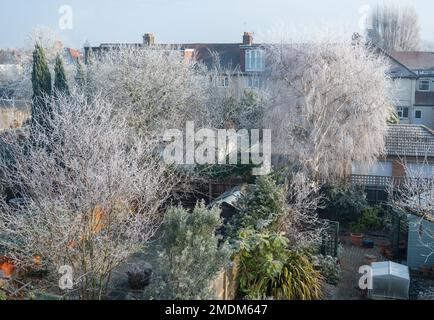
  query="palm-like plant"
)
[{"x": 269, "y": 269}]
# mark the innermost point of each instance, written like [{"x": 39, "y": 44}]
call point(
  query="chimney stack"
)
[
  {"x": 149, "y": 39},
  {"x": 248, "y": 38}
]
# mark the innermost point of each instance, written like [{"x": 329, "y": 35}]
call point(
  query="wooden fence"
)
[{"x": 225, "y": 285}]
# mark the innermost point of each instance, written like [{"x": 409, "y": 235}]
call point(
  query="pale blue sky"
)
[{"x": 176, "y": 21}]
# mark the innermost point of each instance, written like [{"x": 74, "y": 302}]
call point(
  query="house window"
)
[
  {"x": 255, "y": 60},
  {"x": 402, "y": 112},
  {"x": 223, "y": 81},
  {"x": 253, "y": 82},
  {"x": 424, "y": 85},
  {"x": 418, "y": 114}
]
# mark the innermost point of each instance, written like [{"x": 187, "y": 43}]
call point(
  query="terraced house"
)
[
  {"x": 419, "y": 106},
  {"x": 241, "y": 64}
]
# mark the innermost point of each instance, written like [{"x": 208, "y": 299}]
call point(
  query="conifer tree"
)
[
  {"x": 41, "y": 83},
  {"x": 60, "y": 82}
]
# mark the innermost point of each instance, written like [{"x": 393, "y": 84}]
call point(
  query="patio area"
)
[{"x": 351, "y": 259}]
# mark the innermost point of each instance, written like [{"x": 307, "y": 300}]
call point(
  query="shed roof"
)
[
  {"x": 389, "y": 268},
  {"x": 409, "y": 140}
]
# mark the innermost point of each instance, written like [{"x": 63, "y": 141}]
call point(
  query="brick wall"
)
[{"x": 398, "y": 170}]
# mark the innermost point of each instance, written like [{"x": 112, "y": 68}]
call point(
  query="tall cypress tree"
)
[
  {"x": 60, "y": 82},
  {"x": 41, "y": 83},
  {"x": 80, "y": 76}
]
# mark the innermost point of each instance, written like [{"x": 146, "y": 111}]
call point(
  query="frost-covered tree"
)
[
  {"x": 329, "y": 106},
  {"x": 42, "y": 88},
  {"x": 415, "y": 196},
  {"x": 50, "y": 42},
  {"x": 393, "y": 27},
  {"x": 164, "y": 90},
  {"x": 301, "y": 224},
  {"x": 160, "y": 89},
  {"x": 90, "y": 200}
]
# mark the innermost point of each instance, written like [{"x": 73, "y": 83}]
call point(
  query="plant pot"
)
[
  {"x": 426, "y": 271},
  {"x": 383, "y": 246},
  {"x": 7, "y": 268},
  {"x": 357, "y": 239}
]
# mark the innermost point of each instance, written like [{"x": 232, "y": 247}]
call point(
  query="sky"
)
[{"x": 180, "y": 21}]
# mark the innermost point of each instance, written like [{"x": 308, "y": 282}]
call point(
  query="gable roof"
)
[
  {"x": 228, "y": 53},
  {"x": 415, "y": 60},
  {"x": 409, "y": 140},
  {"x": 396, "y": 69}
]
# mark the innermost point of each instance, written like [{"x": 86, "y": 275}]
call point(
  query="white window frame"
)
[
  {"x": 253, "y": 82},
  {"x": 400, "y": 112},
  {"x": 255, "y": 60},
  {"x": 223, "y": 81},
  {"x": 418, "y": 110},
  {"x": 425, "y": 81}
]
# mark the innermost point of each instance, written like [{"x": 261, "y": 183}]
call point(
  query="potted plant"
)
[
  {"x": 356, "y": 230},
  {"x": 383, "y": 246},
  {"x": 425, "y": 271}
]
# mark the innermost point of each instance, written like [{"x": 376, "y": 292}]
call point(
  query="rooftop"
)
[
  {"x": 410, "y": 140},
  {"x": 229, "y": 54},
  {"x": 415, "y": 60}
]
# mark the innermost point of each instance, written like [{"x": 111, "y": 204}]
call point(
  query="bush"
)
[
  {"x": 138, "y": 278},
  {"x": 344, "y": 203},
  {"x": 268, "y": 269},
  {"x": 189, "y": 256},
  {"x": 329, "y": 268},
  {"x": 223, "y": 172},
  {"x": 261, "y": 207},
  {"x": 370, "y": 220}
]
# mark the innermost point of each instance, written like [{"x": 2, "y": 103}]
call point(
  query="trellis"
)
[{"x": 330, "y": 238}]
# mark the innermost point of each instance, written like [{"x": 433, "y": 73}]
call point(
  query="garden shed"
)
[
  {"x": 420, "y": 233},
  {"x": 227, "y": 202},
  {"x": 420, "y": 243},
  {"x": 390, "y": 280}
]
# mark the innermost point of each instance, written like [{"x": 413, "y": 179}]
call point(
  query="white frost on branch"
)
[
  {"x": 91, "y": 192},
  {"x": 330, "y": 104}
]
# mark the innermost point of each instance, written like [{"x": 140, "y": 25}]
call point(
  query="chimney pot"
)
[
  {"x": 149, "y": 39},
  {"x": 248, "y": 38}
]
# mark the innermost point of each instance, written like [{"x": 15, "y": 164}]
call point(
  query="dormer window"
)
[
  {"x": 424, "y": 85},
  {"x": 255, "y": 60}
]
